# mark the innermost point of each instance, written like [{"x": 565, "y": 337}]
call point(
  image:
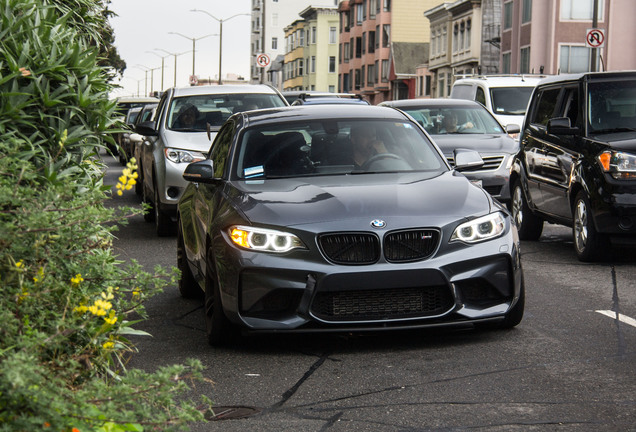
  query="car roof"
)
[
  {"x": 223, "y": 89},
  {"x": 430, "y": 103},
  {"x": 122, "y": 100},
  {"x": 502, "y": 80},
  {"x": 330, "y": 100},
  {"x": 588, "y": 76},
  {"x": 320, "y": 112}
]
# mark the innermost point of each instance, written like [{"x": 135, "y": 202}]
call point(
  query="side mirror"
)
[
  {"x": 467, "y": 159},
  {"x": 199, "y": 172},
  {"x": 146, "y": 128},
  {"x": 561, "y": 126},
  {"x": 513, "y": 129}
]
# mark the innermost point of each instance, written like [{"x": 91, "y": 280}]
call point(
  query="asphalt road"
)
[{"x": 570, "y": 364}]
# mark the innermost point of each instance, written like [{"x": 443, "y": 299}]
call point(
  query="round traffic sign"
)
[
  {"x": 595, "y": 38},
  {"x": 262, "y": 60}
]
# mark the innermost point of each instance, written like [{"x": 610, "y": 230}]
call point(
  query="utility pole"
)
[{"x": 593, "y": 65}]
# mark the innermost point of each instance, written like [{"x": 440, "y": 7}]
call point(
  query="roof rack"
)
[{"x": 305, "y": 96}]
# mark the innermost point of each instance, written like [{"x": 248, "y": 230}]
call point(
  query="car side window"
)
[
  {"x": 219, "y": 152},
  {"x": 545, "y": 107},
  {"x": 480, "y": 96},
  {"x": 571, "y": 106},
  {"x": 157, "y": 116}
]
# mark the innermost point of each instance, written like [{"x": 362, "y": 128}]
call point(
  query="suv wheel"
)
[
  {"x": 188, "y": 286},
  {"x": 163, "y": 224},
  {"x": 588, "y": 243},
  {"x": 218, "y": 327},
  {"x": 528, "y": 224}
]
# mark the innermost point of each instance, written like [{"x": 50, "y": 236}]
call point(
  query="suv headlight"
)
[
  {"x": 620, "y": 165},
  {"x": 183, "y": 156},
  {"x": 264, "y": 240},
  {"x": 480, "y": 229}
]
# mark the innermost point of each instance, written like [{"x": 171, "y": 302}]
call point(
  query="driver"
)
[{"x": 365, "y": 144}]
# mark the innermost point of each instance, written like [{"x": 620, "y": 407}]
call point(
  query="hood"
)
[
  {"x": 623, "y": 141},
  {"x": 197, "y": 141},
  {"x": 402, "y": 200},
  {"x": 482, "y": 143}
]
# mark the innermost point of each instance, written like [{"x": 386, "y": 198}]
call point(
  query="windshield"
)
[
  {"x": 510, "y": 100},
  {"x": 442, "y": 120},
  {"x": 335, "y": 147},
  {"x": 193, "y": 113},
  {"x": 612, "y": 106}
]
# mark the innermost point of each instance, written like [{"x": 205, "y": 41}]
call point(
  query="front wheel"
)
[
  {"x": 218, "y": 327},
  {"x": 188, "y": 286},
  {"x": 163, "y": 223},
  {"x": 529, "y": 226},
  {"x": 589, "y": 244}
]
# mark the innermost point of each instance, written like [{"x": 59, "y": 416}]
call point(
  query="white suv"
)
[{"x": 505, "y": 96}]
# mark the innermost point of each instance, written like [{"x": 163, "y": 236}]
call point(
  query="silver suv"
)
[{"x": 185, "y": 123}]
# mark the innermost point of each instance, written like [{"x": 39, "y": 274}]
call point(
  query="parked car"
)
[
  {"x": 336, "y": 98},
  {"x": 135, "y": 140},
  {"x": 283, "y": 228},
  {"x": 121, "y": 138},
  {"x": 577, "y": 162},
  {"x": 186, "y": 121},
  {"x": 505, "y": 96},
  {"x": 477, "y": 130}
]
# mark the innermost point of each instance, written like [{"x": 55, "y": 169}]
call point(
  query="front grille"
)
[
  {"x": 491, "y": 163},
  {"x": 382, "y": 304},
  {"x": 350, "y": 248},
  {"x": 410, "y": 245}
]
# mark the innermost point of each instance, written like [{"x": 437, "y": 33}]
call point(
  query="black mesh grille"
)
[
  {"x": 491, "y": 163},
  {"x": 350, "y": 248},
  {"x": 410, "y": 245},
  {"x": 368, "y": 305}
]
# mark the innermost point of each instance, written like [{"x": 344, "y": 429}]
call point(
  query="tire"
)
[
  {"x": 149, "y": 216},
  {"x": 529, "y": 226},
  {"x": 163, "y": 224},
  {"x": 188, "y": 286},
  {"x": 514, "y": 315},
  {"x": 139, "y": 185},
  {"x": 589, "y": 244},
  {"x": 218, "y": 328}
]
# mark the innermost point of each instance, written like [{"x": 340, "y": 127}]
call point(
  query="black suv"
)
[{"x": 577, "y": 161}]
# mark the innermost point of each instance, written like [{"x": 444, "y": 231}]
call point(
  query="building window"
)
[
  {"x": 385, "y": 70},
  {"x": 377, "y": 40},
  {"x": 441, "y": 85},
  {"x": 507, "y": 18},
  {"x": 526, "y": 14},
  {"x": 332, "y": 89},
  {"x": 313, "y": 64},
  {"x": 358, "y": 47},
  {"x": 357, "y": 79},
  {"x": 359, "y": 11},
  {"x": 364, "y": 10},
  {"x": 372, "y": 42},
  {"x": 524, "y": 60},
  {"x": 582, "y": 10},
  {"x": 505, "y": 63},
  {"x": 362, "y": 69},
  {"x": 274, "y": 43},
  {"x": 373, "y": 4},
  {"x": 386, "y": 5},
  {"x": 301, "y": 37},
  {"x": 468, "y": 25},
  {"x": 345, "y": 50},
  {"x": 332, "y": 64},
  {"x": 313, "y": 35},
  {"x": 364, "y": 43},
  {"x": 371, "y": 74},
  {"x": 574, "y": 59},
  {"x": 386, "y": 35},
  {"x": 332, "y": 35},
  {"x": 301, "y": 64}
]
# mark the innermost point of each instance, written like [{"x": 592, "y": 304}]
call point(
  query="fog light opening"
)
[{"x": 173, "y": 192}]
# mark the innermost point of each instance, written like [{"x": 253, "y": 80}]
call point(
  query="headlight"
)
[
  {"x": 480, "y": 229},
  {"x": 265, "y": 240},
  {"x": 183, "y": 156},
  {"x": 620, "y": 165}
]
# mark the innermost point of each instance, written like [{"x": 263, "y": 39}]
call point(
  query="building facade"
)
[
  {"x": 550, "y": 36},
  {"x": 321, "y": 48},
  {"x": 464, "y": 40},
  {"x": 368, "y": 28},
  {"x": 269, "y": 20}
]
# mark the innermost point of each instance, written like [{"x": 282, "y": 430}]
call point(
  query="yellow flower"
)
[
  {"x": 108, "y": 345},
  {"x": 75, "y": 281},
  {"x": 103, "y": 304},
  {"x": 111, "y": 319},
  {"x": 20, "y": 264},
  {"x": 39, "y": 276},
  {"x": 81, "y": 309}
]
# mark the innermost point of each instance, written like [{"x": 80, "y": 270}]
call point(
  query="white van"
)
[{"x": 505, "y": 96}]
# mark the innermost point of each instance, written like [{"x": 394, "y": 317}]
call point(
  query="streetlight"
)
[
  {"x": 193, "y": 44},
  {"x": 146, "y": 69},
  {"x": 175, "y": 62},
  {"x": 220, "y": 33},
  {"x": 162, "y": 62}
]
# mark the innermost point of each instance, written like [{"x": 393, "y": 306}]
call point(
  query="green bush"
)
[{"x": 68, "y": 304}]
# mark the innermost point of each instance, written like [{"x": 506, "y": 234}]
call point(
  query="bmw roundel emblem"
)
[{"x": 378, "y": 223}]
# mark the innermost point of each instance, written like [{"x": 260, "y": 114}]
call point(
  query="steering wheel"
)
[{"x": 381, "y": 156}]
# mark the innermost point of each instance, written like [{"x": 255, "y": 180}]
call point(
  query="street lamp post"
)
[
  {"x": 193, "y": 45},
  {"x": 175, "y": 62},
  {"x": 147, "y": 69},
  {"x": 220, "y": 34},
  {"x": 162, "y": 63}
]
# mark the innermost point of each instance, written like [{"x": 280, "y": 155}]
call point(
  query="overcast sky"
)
[{"x": 142, "y": 26}]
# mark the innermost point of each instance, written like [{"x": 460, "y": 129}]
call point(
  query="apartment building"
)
[
  {"x": 381, "y": 44},
  {"x": 269, "y": 20},
  {"x": 464, "y": 40},
  {"x": 550, "y": 36}
]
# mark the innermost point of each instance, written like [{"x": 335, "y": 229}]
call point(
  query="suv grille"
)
[
  {"x": 410, "y": 245},
  {"x": 382, "y": 304},
  {"x": 491, "y": 163},
  {"x": 350, "y": 248}
]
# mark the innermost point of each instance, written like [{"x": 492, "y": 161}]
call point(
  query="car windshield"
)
[
  {"x": 510, "y": 100},
  {"x": 194, "y": 113},
  {"x": 612, "y": 106},
  {"x": 335, "y": 147},
  {"x": 442, "y": 120}
]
